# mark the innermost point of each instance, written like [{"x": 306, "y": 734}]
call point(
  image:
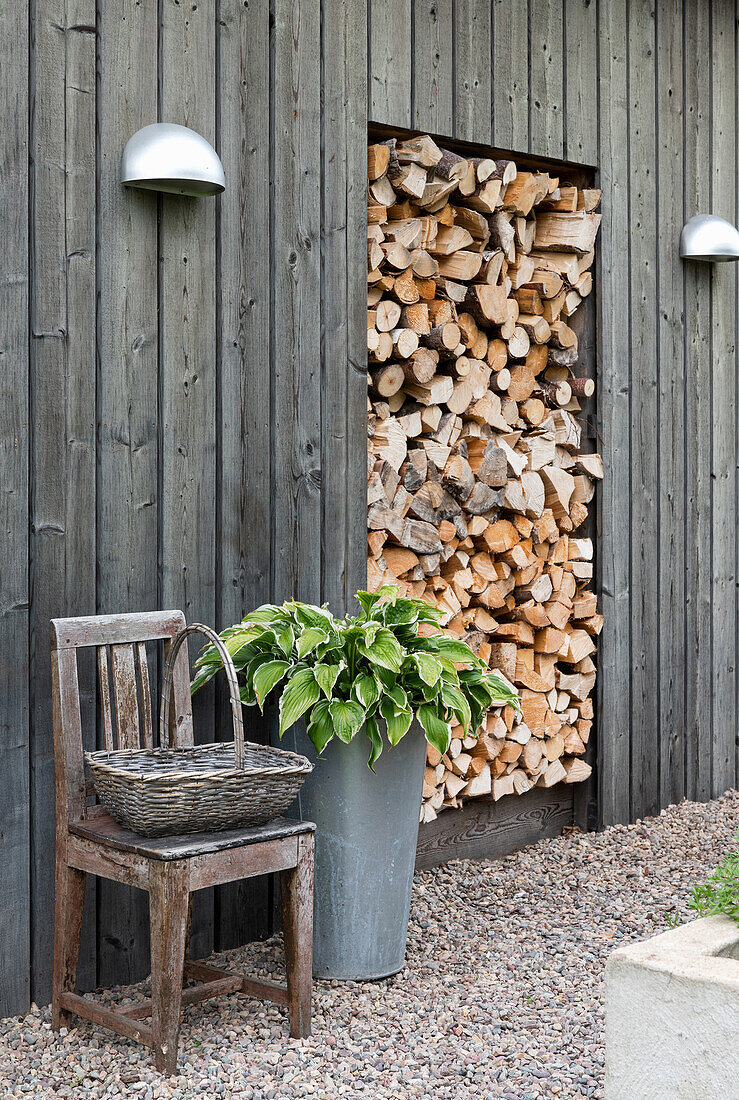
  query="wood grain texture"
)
[
  {"x": 484, "y": 829},
  {"x": 433, "y": 94},
  {"x": 671, "y": 399},
  {"x": 62, "y": 386},
  {"x": 723, "y": 410},
  {"x": 645, "y": 656},
  {"x": 296, "y": 894},
  {"x": 187, "y": 250},
  {"x": 168, "y": 899},
  {"x": 69, "y": 896},
  {"x": 614, "y": 380},
  {"x": 15, "y": 930},
  {"x": 581, "y": 93},
  {"x": 697, "y": 354},
  {"x": 511, "y": 75},
  {"x": 390, "y": 63},
  {"x": 355, "y": 563},
  {"x": 546, "y": 76},
  {"x": 244, "y": 350},
  {"x": 473, "y": 71},
  {"x": 48, "y": 453},
  {"x": 128, "y": 403},
  {"x": 343, "y": 322},
  {"x": 296, "y": 305}
]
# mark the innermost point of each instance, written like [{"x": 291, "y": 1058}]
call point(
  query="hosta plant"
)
[{"x": 372, "y": 671}]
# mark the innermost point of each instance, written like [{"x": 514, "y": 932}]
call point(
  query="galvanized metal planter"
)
[{"x": 367, "y": 828}]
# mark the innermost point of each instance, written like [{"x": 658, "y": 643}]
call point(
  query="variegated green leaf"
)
[
  {"x": 347, "y": 717},
  {"x": 300, "y": 693},
  {"x": 309, "y": 639},
  {"x": 326, "y": 677},
  {"x": 266, "y": 677},
  {"x": 320, "y": 726}
]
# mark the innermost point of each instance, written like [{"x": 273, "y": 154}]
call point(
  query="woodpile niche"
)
[{"x": 478, "y": 478}]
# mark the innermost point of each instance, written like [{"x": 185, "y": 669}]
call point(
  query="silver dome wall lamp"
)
[
  {"x": 171, "y": 158},
  {"x": 710, "y": 239}
]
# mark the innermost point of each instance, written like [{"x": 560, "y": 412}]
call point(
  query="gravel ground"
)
[{"x": 501, "y": 996}]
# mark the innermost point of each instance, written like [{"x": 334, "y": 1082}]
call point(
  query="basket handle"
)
[{"x": 233, "y": 686}]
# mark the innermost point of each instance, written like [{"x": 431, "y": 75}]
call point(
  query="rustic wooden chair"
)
[{"x": 89, "y": 841}]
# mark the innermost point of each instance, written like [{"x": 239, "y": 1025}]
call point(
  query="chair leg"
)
[
  {"x": 68, "y": 903},
  {"x": 168, "y": 900},
  {"x": 296, "y": 887}
]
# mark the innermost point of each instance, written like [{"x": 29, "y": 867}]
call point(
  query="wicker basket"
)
[{"x": 206, "y": 788}]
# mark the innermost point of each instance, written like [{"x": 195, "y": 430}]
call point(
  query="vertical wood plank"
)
[
  {"x": 671, "y": 398},
  {"x": 723, "y": 411},
  {"x": 581, "y": 81},
  {"x": 355, "y": 567},
  {"x": 645, "y": 656},
  {"x": 510, "y": 75},
  {"x": 49, "y": 454},
  {"x": 697, "y": 277},
  {"x": 390, "y": 62},
  {"x": 296, "y": 305},
  {"x": 614, "y": 383},
  {"x": 343, "y": 305},
  {"x": 62, "y": 410},
  {"x": 244, "y": 257},
  {"x": 188, "y": 361},
  {"x": 433, "y": 36},
  {"x": 127, "y": 396},
  {"x": 546, "y": 94},
  {"x": 106, "y": 713},
  {"x": 15, "y": 911},
  {"x": 473, "y": 71},
  {"x": 123, "y": 667},
  {"x": 142, "y": 667}
]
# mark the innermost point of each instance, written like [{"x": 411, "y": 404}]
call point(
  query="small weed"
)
[{"x": 719, "y": 895}]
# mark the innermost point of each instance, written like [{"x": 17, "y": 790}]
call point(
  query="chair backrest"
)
[{"x": 124, "y": 693}]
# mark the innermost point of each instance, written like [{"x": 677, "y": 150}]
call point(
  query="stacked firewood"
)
[{"x": 477, "y": 484}]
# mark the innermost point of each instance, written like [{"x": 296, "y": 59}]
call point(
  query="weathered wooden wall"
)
[
  {"x": 646, "y": 92},
  {"x": 181, "y": 403},
  {"x": 182, "y": 397}
]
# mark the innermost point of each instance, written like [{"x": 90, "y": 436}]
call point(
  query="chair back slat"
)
[
  {"x": 106, "y": 714},
  {"x": 147, "y": 733},
  {"x": 126, "y": 712},
  {"x": 180, "y": 713},
  {"x": 125, "y": 696}
]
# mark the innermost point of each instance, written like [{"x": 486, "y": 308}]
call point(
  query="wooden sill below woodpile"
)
[{"x": 477, "y": 483}]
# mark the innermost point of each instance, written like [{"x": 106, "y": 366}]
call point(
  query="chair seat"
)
[{"x": 105, "y": 830}]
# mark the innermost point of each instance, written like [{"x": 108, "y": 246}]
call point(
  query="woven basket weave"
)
[{"x": 206, "y": 788}]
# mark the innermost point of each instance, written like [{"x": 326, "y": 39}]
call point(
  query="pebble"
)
[{"x": 501, "y": 997}]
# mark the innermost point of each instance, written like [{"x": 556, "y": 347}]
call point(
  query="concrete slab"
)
[{"x": 672, "y": 1015}]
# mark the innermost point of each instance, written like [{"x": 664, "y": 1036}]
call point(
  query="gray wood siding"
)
[
  {"x": 183, "y": 382},
  {"x": 617, "y": 85},
  {"x": 183, "y": 390}
]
